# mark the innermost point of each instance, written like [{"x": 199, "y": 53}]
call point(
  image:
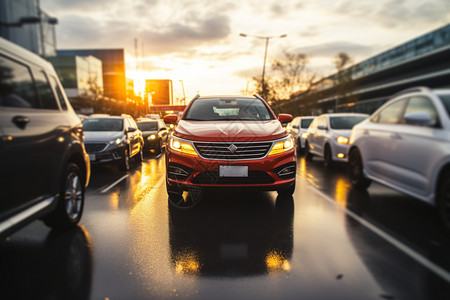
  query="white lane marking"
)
[
  {"x": 396, "y": 243},
  {"x": 113, "y": 184}
]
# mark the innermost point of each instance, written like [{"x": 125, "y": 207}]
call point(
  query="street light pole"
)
[
  {"x": 267, "y": 38},
  {"x": 184, "y": 95}
]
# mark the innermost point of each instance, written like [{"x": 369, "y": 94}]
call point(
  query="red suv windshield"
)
[{"x": 216, "y": 109}]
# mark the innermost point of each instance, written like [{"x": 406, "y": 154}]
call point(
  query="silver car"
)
[
  {"x": 328, "y": 134},
  {"x": 298, "y": 128},
  {"x": 405, "y": 145}
]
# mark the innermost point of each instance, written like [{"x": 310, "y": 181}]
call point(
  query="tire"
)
[
  {"x": 300, "y": 150},
  {"x": 159, "y": 150},
  {"x": 69, "y": 208},
  {"x": 176, "y": 199},
  {"x": 308, "y": 155},
  {"x": 327, "y": 157},
  {"x": 140, "y": 155},
  {"x": 355, "y": 171},
  {"x": 286, "y": 192},
  {"x": 443, "y": 200},
  {"x": 124, "y": 164}
]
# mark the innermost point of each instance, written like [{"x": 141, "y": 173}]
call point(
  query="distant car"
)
[
  {"x": 154, "y": 133},
  {"x": 113, "y": 139},
  {"x": 328, "y": 134},
  {"x": 405, "y": 145},
  {"x": 298, "y": 128},
  {"x": 232, "y": 142},
  {"x": 153, "y": 116},
  {"x": 44, "y": 168}
]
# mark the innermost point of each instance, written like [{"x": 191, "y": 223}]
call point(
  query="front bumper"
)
[
  {"x": 269, "y": 174},
  {"x": 111, "y": 153}
]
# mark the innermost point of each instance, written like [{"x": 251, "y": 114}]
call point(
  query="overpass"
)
[{"x": 424, "y": 61}]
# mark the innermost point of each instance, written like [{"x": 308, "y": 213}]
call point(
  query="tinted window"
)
[
  {"x": 45, "y": 91},
  {"x": 421, "y": 104},
  {"x": 228, "y": 109},
  {"x": 147, "y": 126},
  {"x": 391, "y": 114},
  {"x": 346, "y": 122},
  {"x": 58, "y": 91},
  {"x": 446, "y": 101},
  {"x": 102, "y": 124},
  {"x": 16, "y": 85},
  {"x": 306, "y": 122}
]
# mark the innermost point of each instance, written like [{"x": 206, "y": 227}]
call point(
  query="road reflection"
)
[
  {"x": 57, "y": 267},
  {"x": 233, "y": 236}
]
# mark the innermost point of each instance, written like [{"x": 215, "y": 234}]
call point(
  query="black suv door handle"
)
[{"x": 21, "y": 121}]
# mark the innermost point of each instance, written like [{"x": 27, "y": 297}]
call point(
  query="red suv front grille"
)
[{"x": 233, "y": 151}]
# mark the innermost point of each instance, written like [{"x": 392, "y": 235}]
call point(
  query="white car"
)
[
  {"x": 328, "y": 134},
  {"x": 298, "y": 128},
  {"x": 405, "y": 145}
]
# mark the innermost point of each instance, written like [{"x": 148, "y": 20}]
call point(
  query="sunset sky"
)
[{"x": 198, "y": 42}]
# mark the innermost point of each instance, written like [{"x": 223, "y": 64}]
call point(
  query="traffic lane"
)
[
  {"x": 409, "y": 220},
  {"x": 244, "y": 245}
]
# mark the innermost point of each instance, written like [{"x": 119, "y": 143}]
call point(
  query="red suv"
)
[{"x": 228, "y": 142}]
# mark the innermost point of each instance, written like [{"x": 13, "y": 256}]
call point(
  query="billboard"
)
[{"x": 160, "y": 91}]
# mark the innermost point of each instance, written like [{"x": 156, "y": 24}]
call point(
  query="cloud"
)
[
  {"x": 395, "y": 14},
  {"x": 333, "y": 48}
]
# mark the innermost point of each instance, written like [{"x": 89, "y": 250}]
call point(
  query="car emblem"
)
[{"x": 232, "y": 148}]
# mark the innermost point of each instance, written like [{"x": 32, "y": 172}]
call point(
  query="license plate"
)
[
  {"x": 92, "y": 156},
  {"x": 233, "y": 171}
]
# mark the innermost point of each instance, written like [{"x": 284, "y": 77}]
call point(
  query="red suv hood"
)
[{"x": 230, "y": 131}]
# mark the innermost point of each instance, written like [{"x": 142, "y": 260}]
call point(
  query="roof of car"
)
[{"x": 226, "y": 96}]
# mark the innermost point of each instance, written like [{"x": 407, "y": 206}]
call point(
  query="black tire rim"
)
[{"x": 73, "y": 195}]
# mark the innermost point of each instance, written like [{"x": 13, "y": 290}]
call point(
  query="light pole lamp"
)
[{"x": 267, "y": 38}]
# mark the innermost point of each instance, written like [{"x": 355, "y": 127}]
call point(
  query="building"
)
[
  {"x": 81, "y": 76},
  {"x": 24, "y": 23},
  {"x": 113, "y": 65},
  {"x": 159, "y": 91}
]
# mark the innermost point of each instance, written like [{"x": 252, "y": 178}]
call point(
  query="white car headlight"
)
[{"x": 182, "y": 146}]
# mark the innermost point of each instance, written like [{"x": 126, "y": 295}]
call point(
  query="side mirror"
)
[
  {"x": 295, "y": 126},
  {"x": 285, "y": 118},
  {"x": 131, "y": 129},
  {"x": 419, "y": 119},
  {"x": 321, "y": 127},
  {"x": 171, "y": 119}
]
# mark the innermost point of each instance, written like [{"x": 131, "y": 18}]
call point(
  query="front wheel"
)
[
  {"x": 70, "y": 201},
  {"x": 140, "y": 155},
  {"x": 124, "y": 164},
  {"x": 327, "y": 157},
  {"x": 443, "y": 200},
  {"x": 355, "y": 171},
  {"x": 287, "y": 192},
  {"x": 308, "y": 155}
]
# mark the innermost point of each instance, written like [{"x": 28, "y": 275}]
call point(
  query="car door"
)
[
  {"x": 134, "y": 135},
  {"x": 378, "y": 142},
  {"x": 32, "y": 127},
  {"x": 416, "y": 148},
  {"x": 312, "y": 133}
]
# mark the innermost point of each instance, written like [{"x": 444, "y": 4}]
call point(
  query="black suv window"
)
[
  {"x": 59, "y": 94},
  {"x": 103, "y": 124},
  {"x": 45, "y": 91},
  {"x": 16, "y": 85}
]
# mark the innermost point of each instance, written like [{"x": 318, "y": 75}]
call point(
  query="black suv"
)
[
  {"x": 113, "y": 139},
  {"x": 44, "y": 168}
]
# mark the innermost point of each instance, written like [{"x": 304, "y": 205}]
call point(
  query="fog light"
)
[
  {"x": 286, "y": 171},
  {"x": 341, "y": 155}
]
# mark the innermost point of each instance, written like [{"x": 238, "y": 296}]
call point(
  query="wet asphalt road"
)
[{"x": 327, "y": 242}]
